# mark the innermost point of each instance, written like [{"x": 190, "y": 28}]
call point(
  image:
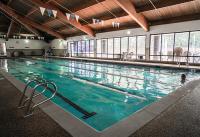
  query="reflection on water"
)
[{"x": 4, "y": 64}]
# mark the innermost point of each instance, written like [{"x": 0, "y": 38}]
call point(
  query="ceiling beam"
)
[
  {"x": 141, "y": 8},
  {"x": 120, "y": 14},
  {"x": 27, "y": 22},
  {"x": 128, "y": 6},
  {"x": 9, "y": 28},
  {"x": 61, "y": 16},
  {"x": 34, "y": 9}
]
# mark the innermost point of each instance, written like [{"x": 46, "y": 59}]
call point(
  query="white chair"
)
[
  {"x": 124, "y": 56},
  {"x": 178, "y": 51},
  {"x": 130, "y": 56}
]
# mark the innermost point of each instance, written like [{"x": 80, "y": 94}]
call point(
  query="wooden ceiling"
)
[{"x": 138, "y": 13}]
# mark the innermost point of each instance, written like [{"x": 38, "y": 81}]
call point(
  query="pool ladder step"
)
[{"x": 26, "y": 102}]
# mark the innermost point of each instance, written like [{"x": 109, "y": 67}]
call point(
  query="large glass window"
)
[
  {"x": 83, "y": 48},
  {"x": 70, "y": 48},
  {"x": 114, "y": 48},
  {"x": 155, "y": 47},
  {"x": 117, "y": 42},
  {"x": 181, "y": 46},
  {"x": 167, "y": 47},
  {"x": 104, "y": 48},
  {"x": 141, "y": 44},
  {"x": 194, "y": 48},
  {"x": 79, "y": 49},
  {"x": 178, "y": 47},
  {"x": 74, "y": 46},
  {"x": 98, "y": 48},
  {"x": 110, "y": 48},
  {"x": 91, "y": 48},
  {"x": 87, "y": 48},
  {"x": 124, "y": 45},
  {"x": 132, "y": 49}
]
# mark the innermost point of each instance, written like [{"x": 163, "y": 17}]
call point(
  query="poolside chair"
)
[
  {"x": 130, "y": 56},
  {"x": 124, "y": 56},
  {"x": 178, "y": 51}
]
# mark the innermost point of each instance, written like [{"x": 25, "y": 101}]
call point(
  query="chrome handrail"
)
[
  {"x": 30, "y": 109},
  {"x": 36, "y": 81}
]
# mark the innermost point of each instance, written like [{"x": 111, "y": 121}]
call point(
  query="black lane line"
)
[{"x": 74, "y": 105}]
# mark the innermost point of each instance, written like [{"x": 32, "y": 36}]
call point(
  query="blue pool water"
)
[{"x": 113, "y": 92}]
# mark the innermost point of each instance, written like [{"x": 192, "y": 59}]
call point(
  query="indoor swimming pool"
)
[{"x": 100, "y": 94}]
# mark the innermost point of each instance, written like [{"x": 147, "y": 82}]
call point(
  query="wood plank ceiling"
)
[{"x": 153, "y": 11}]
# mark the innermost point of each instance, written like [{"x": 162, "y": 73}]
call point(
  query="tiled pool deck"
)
[
  {"x": 12, "y": 122},
  {"x": 175, "y": 115}
]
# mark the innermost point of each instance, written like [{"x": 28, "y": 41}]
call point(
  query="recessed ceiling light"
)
[{"x": 128, "y": 32}]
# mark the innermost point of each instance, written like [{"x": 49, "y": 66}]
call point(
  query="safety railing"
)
[{"x": 39, "y": 83}]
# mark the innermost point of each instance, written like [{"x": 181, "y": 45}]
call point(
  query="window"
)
[
  {"x": 87, "y": 48},
  {"x": 178, "y": 47},
  {"x": 194, "y": 48},
  {"x": 79, "y": 48},
  {"x": 132, "y": 49},
  {"x": 91, "y": 48},
  {"x": 99, "y": 48},
  {"x": 167, "y": 47},
  {"x": 181, "y": 46},
  {"x": 70, "y": 48},
  {"x": 104, "y": 48},
  {"x": 74, "y": 45},
  {"x": 117, "y": 48},
  {"x": 83, "y": 48},
  {"x": 124, "y": 45},
  {"x": 155, "y": 49},
  {"x": 141, "y": 42},
  {"x": 110, "y": 48}
]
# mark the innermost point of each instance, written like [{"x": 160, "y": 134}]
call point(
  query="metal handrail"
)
[
  {"x": 30, "y": 109},
  {"x": 36, "y": 81}
]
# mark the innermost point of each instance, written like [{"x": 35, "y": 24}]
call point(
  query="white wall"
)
[
  {"x": 24, "y": 44},
  {"x": 58, "y": 44}
]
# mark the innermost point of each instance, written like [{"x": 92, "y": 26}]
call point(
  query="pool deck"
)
[
  {"x": 180, "y": 120},
  {"x": 12, "y": 122},
  {"x": 177, "y": 114}
]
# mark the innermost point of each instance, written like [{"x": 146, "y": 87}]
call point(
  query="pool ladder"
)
[{"x": 27, "y": 103}]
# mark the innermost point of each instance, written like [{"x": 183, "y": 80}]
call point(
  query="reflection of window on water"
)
[{"x": 2, "y": 49}]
